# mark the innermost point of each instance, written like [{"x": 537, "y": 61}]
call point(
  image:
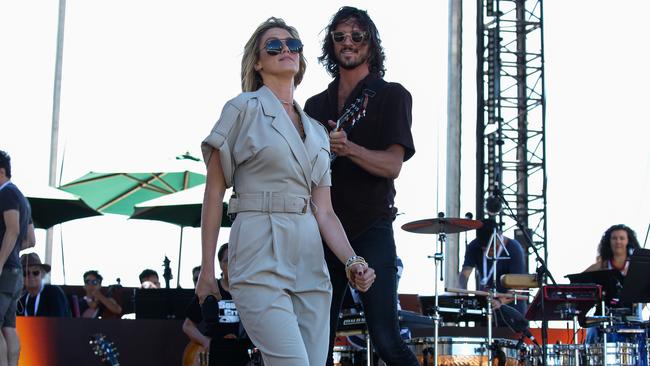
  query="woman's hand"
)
[
  {"x": 205, "y": 286},
  {"x": 362, "y": 277}
]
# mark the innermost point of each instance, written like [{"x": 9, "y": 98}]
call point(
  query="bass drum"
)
[{"x": 457, "y": 351}]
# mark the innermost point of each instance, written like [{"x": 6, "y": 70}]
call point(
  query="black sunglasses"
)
[
  {"x": 355, "y": 36},
  {"x": 274, "y": 46},
  {"x": 33, "y": 273},
  {"x": 91, "y": 282}
]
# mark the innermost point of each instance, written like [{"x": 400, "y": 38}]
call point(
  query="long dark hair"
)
[
  {"x": 605, "y": 247},
  {"x": 376, "y": 57}
]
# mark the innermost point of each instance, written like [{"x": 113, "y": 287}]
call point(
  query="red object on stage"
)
[{"x": 561, "y": 302}]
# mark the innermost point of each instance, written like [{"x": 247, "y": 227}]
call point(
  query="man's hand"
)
[
  {"x": 339, "y": 143},
  {"x": 362, "y": 277}
]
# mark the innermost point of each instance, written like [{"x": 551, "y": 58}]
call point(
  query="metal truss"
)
[{"x": 511, "y": 115}]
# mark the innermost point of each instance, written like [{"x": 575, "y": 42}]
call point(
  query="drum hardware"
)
[
  {"x": 495, "y": 239},
  {"x": 440, "y": 226}
]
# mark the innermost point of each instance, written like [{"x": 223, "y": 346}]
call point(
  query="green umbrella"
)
[
  {"x": 118, "y": 192},
  {"x": 182, "y": 209},
  {"x": 51, "y": 206}
]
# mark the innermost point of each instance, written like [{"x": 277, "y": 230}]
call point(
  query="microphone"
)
[
  {"x": 517, "y": 322},
  {"x": 469, "y": 215},
  {"x": 493, "y": 205}
]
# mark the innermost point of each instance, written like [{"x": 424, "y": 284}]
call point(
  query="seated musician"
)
[
  {"x": 476, "y": 257},
  {"x": 96, "y": 303},
  {"x": 614, "y": 250},
  {"x": 223, "y": 341},
  {"x": 40, "y": 298},
  {"x": 149, "y": 279}
]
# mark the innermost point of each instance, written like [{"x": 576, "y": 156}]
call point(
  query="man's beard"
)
[{"x": 354, "y": 63}]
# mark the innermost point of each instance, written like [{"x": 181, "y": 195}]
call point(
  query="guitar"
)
[
  {"x": 195, "y": 355},
  {"x": 353, "y": 114},
  {"x": 104, "y": 349}
]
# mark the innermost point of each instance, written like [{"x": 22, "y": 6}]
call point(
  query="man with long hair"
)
[{"x": 368, "y": 150}]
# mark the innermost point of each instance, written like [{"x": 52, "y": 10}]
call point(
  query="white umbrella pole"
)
[{"x": 180, "y": 252}]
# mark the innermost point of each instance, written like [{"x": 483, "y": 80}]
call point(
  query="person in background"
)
[
  {"x": 222, "y": 342},
  {"x": 195, "y": 274},
  {"x": 368, "y": 158},
  {"x": 476, "y": 257},
  {"x": 149, "y": 279},
  {"x": 41, "y": 299},
  {"x": 615, "y": 248},
  {"x": 276, "y": 159},
  {"x": 16, "y": 233},
  {"x": 96, "y": 304}
]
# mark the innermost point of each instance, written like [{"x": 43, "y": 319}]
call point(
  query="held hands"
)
[
  {"x": 359, "y": 274},
  {"x": 339, "y": 143}
]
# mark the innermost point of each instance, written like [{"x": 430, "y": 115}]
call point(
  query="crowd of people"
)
[{"x": 313, "y": 201}]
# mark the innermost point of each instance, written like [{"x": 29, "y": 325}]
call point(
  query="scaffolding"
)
[{"x": 511, "y": 116}]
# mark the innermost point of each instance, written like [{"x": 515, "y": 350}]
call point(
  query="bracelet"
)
[{"x": 353, "y": 260}]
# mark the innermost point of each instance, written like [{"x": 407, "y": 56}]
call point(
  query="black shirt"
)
[
  {"x": 12, "y": 199},
  {"x": 51, "y": 302},
  {"x": 360, "y": 198},
  {"x": 193, "y": 313}
]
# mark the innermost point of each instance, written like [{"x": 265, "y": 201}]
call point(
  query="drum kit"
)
[{"x": 621, "y": 342}]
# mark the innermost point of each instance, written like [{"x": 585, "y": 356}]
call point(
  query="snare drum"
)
[
  {"x": 454, "y": 351},
  {"x": 617, "y": 353}
]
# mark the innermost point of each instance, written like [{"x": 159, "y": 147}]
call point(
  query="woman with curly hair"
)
[{"x": 616, "y": 246}]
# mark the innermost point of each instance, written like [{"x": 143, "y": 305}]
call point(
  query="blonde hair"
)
[{"x": 251, "y": 80}]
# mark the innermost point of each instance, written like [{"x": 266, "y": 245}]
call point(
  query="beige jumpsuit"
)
[{"x": 278, "y": 276}]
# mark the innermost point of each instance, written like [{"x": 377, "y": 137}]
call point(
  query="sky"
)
[{"x": 144, "y": 81}]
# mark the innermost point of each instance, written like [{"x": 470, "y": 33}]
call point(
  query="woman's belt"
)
[{"x": 269, "y": 202}]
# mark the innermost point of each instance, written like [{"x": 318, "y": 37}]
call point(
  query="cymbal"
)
[{"x": 448, "y": 225}]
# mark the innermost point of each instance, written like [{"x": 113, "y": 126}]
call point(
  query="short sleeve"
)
[
  {"x": 325, "y": 173},
  {"x": 8, "y": 200},
  {"x": 398, "y": 119},
  {"x": 517, "y": 265},
  {"x": 471, "y": 255},
  {"x": 193, "y": 311},
  {"x": 222, "y": 138}
]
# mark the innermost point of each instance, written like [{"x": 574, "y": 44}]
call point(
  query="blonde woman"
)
[{"x": 276, "y": 158}]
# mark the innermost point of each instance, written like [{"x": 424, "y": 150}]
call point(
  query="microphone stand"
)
[
  {"x": 542, "y": 272},
  {"x": 495, "y": 239}
]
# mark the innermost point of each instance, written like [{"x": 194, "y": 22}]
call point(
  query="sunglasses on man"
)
[
  {"x": 91, "y": 282},
  {"x": 355, "y": 36},
  {"x": 274, "y": 46},
  {"x": 33, "y": 273}
]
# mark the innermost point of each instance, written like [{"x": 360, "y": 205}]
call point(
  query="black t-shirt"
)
[
  {"x": 475, "y": 258},
  {"x": 193, "y": 313},
  {"x": 360, "y": 198},
  {"x": 12, "y": 199},
  {"x": 52, "y": 302}
]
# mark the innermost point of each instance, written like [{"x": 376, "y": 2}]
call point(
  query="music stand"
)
[
  {"x": 162, "y": 303},
  {"x": 638, "y": 274}
]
